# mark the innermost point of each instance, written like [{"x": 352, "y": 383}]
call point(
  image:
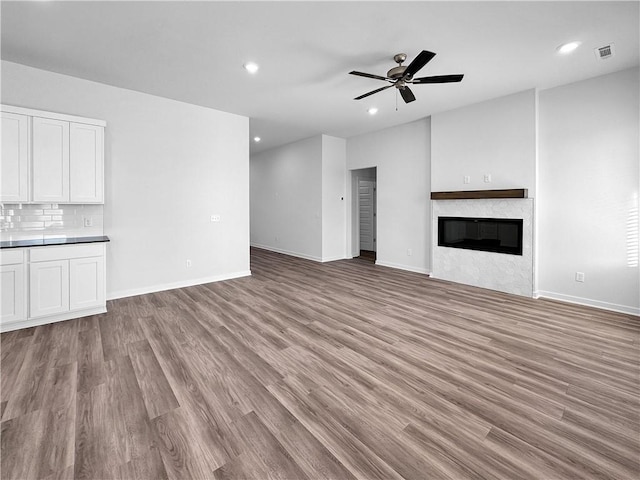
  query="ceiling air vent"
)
[{"x": 605, "y": 52}]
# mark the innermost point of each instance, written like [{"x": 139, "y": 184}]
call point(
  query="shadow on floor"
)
[{"x": 368, "y": 256}]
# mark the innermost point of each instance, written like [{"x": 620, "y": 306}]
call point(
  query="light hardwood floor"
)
[{"x": 314, "y": 371}]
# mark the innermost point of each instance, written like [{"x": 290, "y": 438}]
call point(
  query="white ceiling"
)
[{"x": 194, "y": 52}]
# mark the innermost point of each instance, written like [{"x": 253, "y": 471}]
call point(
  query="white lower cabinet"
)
[
  {"x": 86, "y": 283},
  {"x": 13, "y": 306},
  {"x": 64, "y": 282},
  {"x": 48, "y": 288}
]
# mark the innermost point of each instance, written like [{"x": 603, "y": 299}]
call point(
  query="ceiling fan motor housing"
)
[{"x": 396, "y": 72}]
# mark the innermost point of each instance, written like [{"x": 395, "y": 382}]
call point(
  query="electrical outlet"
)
[
  {"x": 409, "y": 252},
  {"x": 215, "y": 218},
  {"x": 188, "y": 263},
  {"x": 466, "y": 179},
  {"x": 487, "y": 178},
  {"x": 88, "y": 222},
  {"x": 579, "y": 276}
]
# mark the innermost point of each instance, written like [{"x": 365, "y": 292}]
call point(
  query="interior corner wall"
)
[
  {"x": 588, "y": 192},
  {"x": 169, "y": 166},
  {"x": 402, "y": 157},
  {"x": 495, "y": 137},
  {"x": 334, "y": 153},
  {"x": 286, "y": 199}
]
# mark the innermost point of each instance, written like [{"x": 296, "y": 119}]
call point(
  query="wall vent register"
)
[{"x": 501, "y": 235}]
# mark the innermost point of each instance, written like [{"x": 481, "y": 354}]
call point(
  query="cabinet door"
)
[
  {"x": 14, "y": 166},
  {"x": 86, "y": 163},
  {"x": 14, "y": 302},
  {"x": 87, "y": 288},
  {"x": 48, "y": 288},
  {"x": 50, "y": 160}
]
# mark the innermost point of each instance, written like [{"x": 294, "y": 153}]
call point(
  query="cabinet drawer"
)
[
  {"x": 66, "y": 252},
  {"x": 11, "y": 256}
]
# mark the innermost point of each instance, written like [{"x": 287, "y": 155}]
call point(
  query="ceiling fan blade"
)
[
  {"x": 374, "y": 91},
  {"x": 407, "y": 94},
  {"x": 439, "y": 79},
  {"x": 369, "y": 75},
  {"x": 420, "y": 61}
]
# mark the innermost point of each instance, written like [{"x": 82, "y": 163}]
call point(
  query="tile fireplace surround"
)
[{"x": 496, "y": 271}]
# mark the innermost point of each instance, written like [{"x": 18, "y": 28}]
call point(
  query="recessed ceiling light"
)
[
  {"x": 256, "y": 139},
  {"x": 251, "y": 67},
  {"x": 566, "y": 48},
  {"x": 372, "y": 111}
]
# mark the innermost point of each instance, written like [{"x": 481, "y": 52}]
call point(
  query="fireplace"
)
[
  {"x": 511, "y": 272},
  {"x": 501, "y": 235}
]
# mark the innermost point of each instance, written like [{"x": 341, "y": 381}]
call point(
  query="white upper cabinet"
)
[
  {"x": 14, "y": 169},
  {"x": 50, "y": 160},
  {"x": 86, "y": 163},
  {"x": 61, "y": 157}
]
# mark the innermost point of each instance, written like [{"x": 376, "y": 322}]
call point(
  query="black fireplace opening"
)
[{"x": 502, "y": 235}]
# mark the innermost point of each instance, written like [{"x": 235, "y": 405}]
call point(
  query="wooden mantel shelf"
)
[{"x": 476, "y": 194}]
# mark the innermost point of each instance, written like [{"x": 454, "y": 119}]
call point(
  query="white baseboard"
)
[
  {"x": 333, "y": 259},
  {"x": 35, "y": 322},
  {"x": 170, "y": 286},
  {"x": 287, "y": 252},
  {"x": 399, "y": 266},
  {"x": 588, "y": 302}
]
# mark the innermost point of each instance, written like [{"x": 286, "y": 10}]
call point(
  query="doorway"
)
[{"x": 365, "y": 203}]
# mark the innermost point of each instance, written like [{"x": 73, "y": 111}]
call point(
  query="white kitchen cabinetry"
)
[
  {"x": 86, "y": 163},
  {"x": 86, "y": 283},
  {"x": 14, "y": 169},
  {"x": 64, "y": 282},
  {"x": 65, "y": 163},
  {"x": 50, "y": 160},
  {"x": 13, "y": 287},
  {"x": 48, "y": 288}
]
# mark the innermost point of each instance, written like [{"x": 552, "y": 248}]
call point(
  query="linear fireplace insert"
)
[{"x": 502, "y": 235}]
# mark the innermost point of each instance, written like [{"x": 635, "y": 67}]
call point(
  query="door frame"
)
[
  {"x": 353, "y": 217},
  {"x": 373, "y": 214}
]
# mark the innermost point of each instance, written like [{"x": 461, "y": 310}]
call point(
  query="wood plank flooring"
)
[{"x": 324, "y": 371}]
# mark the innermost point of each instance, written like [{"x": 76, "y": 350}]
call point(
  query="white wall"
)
[
  {"x": 334, "y": 153},
  {"x": 402, "y": 157},
  {"x": 286, "y": 199},
  {"x": 496, "y": 137},
  {"x": 169, "y": 167},
  {"x": 588, "y": 192}
]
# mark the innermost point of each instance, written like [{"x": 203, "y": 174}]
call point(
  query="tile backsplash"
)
[{"x": 21, "y": 221}]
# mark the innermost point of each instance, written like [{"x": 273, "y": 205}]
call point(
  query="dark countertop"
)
[{"x": 47, "y": 242}]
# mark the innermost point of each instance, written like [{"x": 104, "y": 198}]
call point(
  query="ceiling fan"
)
[{"x": 402, "y": 76}]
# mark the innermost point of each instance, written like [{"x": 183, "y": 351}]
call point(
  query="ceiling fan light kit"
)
[{"x": 402, "y": 76}]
